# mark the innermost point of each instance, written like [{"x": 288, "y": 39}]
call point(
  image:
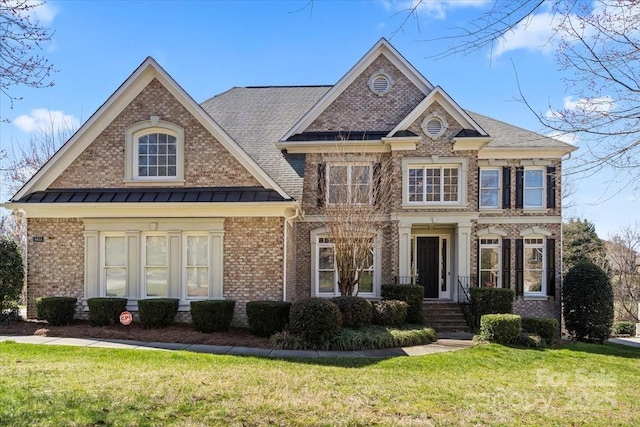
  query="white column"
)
[
  {"x": 463, "y": 249},
  {"x": 404, "y": 249},
  {"x": 91, "y": 264}
]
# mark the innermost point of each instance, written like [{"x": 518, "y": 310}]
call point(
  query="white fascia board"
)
[
  {"x": 523, "y": 153},
  {"x": 152, "y": 210},
  {"x": 470, "y": 143},
  {"x": 116, "y": 103},
  {"x": 382, "y": 47},
  {"x": 438, "y": 94},
  {"x": 372, "y": 146}
]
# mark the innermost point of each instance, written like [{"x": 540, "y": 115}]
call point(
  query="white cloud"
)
[
  {"x": 598, "y": 105},
  {"x": 44, "y": 12},
  {"x": 569, "y": 138},
  {"x": 47, "y": 121},
  {"x": 435, "y": 9},
  {"x": 533, "y": 34}
]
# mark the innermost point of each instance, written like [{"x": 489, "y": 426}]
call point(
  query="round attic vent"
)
[
  {"x": 434, "y": 126},
  {"x": 380, "y": 83}
]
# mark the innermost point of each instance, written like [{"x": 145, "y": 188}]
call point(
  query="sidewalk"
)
[
  {"x": 452, "y": 343},
  {"x": 631, "y": 341}
]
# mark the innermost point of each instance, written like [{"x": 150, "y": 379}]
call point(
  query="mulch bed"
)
[{"x": 177, "y": 333}]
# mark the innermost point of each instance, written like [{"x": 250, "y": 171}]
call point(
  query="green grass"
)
[{"x": 488, "y": 385}]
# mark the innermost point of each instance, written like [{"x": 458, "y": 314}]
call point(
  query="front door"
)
[{"x": 428, "y": 265}]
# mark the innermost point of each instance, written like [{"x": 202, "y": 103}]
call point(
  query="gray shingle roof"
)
[{"x": 258, "y": 117}]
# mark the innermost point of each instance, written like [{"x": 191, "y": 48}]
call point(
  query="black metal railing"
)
[{"x": 464, "y": 296}]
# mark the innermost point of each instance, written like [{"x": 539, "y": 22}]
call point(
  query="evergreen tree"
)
[{"x": 580, "y": 242}]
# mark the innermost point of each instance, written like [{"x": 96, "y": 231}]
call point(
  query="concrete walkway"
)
[
  {"x": 450, "y": 343},
  {"x": 631, "y": 342}
]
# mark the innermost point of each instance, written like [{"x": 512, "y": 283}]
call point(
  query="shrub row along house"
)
[{"x": 158, "y": 196}]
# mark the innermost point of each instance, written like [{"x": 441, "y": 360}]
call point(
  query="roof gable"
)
[
  {"x": 382, "y": 47},
  {"x": 117, "y": 102}
]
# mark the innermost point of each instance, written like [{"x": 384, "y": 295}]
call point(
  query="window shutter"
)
[
  {"x": 479, "y": 185},
  {"x": 551, "y": 267},
  {"x": 519, "y": 266},
  {"x": 506, "y": 263},
  {"x": 519, "y": 187},
  {"x": 551, "y": 187},
  {"x": 506, "y": 187},
  {"x": 477, "y": 281},
  {"x": 377, "y": 182},
  {"x": 322, "y": 183}
]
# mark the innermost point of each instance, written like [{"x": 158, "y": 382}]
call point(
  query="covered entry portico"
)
[{"x": 434, "y": 251}]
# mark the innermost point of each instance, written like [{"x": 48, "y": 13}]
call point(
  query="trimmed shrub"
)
[
  {"x": 157, "y": 312},
  {"x": 530, "y": 341},
  {"x": 315, "y": 320},
  {"x": 490, "y": 301},
  {"x": 624, "y": 328},
  {"x": 500, "y": 328},
  {"x": 106, "y": 311},
  {"x": 212, "y": 315},
  {"x": 545, "y": 327},
  {"x": 587, "y": 303},
  {"x": 356, "y": 311},
  {"x": 11, "y": 278},
  {"x": 411, "y": 294},
  {"x": 365, "y": 338},
  {"x": 56, "y": 310},
  {"x": 389, "y": 312},
  {"x": 267, "y": 317}
]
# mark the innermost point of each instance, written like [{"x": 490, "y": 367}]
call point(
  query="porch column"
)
[
  {"x": 463, "y": 249},
  {"x": 404, "y": 249}
]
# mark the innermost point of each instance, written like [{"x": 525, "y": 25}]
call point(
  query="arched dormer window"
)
[{"x": 154, "y": 153}]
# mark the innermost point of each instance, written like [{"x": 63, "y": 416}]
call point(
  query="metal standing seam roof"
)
[{"x": 155, "y": 195}]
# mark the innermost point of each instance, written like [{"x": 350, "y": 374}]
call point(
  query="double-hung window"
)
[
  {"x": 534, "y": 187},
  {"x": 196, "y": 265},
  {"x": 155, "y": 268},
  {"x": 349, "y": 184},
  {"x": 490, "y": 188},
  {"x": 434, "y": 184},
  {"x": 534, "y": 266},
  {"x": 115, "y": 266},
  {"x": 490, "y": 263}
]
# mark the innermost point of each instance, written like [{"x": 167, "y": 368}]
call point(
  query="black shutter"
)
[
  {"x": 479, "y": 185},
  {"x": 322, "y": 183},
  {"x": 506, "y": 187},
  {"x": 377, "y": 182},
  {"x": 551, "y": 267},
  {"x": 478, "y": 282},
  {"x": 506, "y": 263},
  {"x": 519, "y": 186},
  {"x": 551, "y": 187},
  {"x": 519, "y": 266}
]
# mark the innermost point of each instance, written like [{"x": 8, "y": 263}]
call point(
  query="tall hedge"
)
[
  {"x": 587, "y": 302},
  {"x": 490, "y": 301},
  {"x": 411, "y": 294},
  {"x": 11, "y": 276}
]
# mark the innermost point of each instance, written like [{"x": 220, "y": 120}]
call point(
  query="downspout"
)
[{"x": 287, "y": 221}]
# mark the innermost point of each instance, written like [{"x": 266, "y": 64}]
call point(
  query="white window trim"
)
[
  {"x": 543, "y": 188},
  {"x": 435, "y": 161},
  {"x": 134, "y": 231},
  {"x": 143, "y": 264},
  {"x": 184, "y": 266},
  {"x": 103, "y": 267},
  {"x": 131, "y": 152},
  {"x": 499, "y": 204},
  {"x": 543, "y": 281},
  {"x": 497, "y": 246},
  {"x": 315, "y": 277},
  {"x": 349, "y": 166}
]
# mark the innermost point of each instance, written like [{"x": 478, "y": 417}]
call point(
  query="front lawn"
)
[{"x": 487, "y": 385}]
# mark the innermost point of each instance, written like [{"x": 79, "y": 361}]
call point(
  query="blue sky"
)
[{"x": 211, "y": 46}]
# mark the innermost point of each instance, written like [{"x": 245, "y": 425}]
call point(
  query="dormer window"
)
[{"x": 154, "y": 153}]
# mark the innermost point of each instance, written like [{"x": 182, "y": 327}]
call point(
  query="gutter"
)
[{"x": 287, "y": 221}]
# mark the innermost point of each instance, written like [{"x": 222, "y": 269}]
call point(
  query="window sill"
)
[
  {"x": 153, "y": 183},
  {"x": 535, "y": 210},
  {"x": 536, "y": 298},
  {"x": 433, "y": 206},
  {"x": 491, "y": 210}
]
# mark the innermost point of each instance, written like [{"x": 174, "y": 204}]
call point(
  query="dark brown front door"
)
[{"x": 428, "y": 271}]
